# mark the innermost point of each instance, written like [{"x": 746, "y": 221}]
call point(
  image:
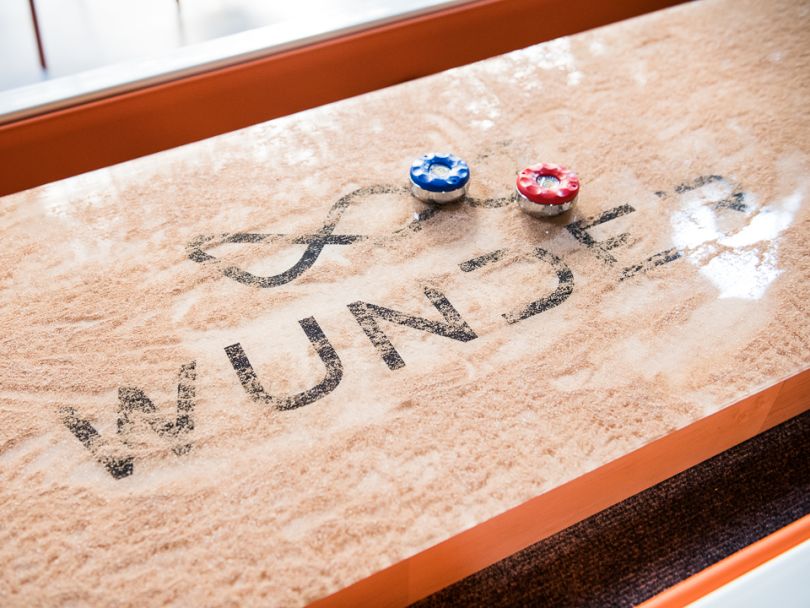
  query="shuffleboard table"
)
[{"x": 254, "y": 370}]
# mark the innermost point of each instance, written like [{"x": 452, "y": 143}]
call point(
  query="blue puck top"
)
[{"x": 439, "y": 172}]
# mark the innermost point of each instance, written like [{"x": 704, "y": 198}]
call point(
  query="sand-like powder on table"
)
[{"x": 691, "y": 124}]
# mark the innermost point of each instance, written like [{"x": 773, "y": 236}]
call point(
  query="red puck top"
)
[{"x": 558, "y": 194}]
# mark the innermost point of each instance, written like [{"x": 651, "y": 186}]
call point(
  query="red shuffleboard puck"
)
[{"x": 547, "y": 189}]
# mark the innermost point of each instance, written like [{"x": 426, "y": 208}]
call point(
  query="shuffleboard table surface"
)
[{"x": 254, "y": 370}]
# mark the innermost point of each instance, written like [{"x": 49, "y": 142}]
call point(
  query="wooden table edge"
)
[
  {"x": 63, "y": 142},
  {"x": 463, "y": 554}
]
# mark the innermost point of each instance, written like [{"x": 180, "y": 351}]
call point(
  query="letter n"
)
[{"x": 453, "y": 326}]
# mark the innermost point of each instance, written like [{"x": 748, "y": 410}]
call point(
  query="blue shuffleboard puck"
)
[{"x": 439, "y": 178}]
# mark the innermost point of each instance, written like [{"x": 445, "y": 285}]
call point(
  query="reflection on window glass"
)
[{"x": 81, "y": 35}]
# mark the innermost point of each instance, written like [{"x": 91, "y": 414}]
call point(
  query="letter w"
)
[{"x": 132, "y": 400}]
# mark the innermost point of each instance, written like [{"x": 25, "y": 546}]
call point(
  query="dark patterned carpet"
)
[{"x": 639, "y": 547}]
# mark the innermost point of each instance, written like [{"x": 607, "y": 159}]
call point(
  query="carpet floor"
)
[{"x": 647, "y": 543}]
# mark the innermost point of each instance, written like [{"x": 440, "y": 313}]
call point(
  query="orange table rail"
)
[
  {"x": 59, "y": 144},
  {"x": 427, "y": 572}
]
